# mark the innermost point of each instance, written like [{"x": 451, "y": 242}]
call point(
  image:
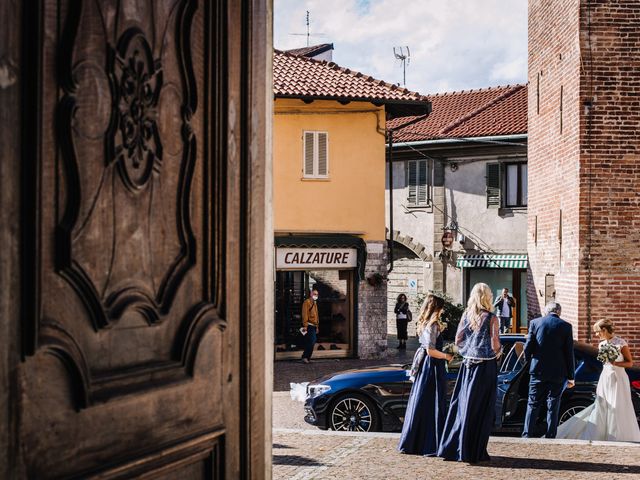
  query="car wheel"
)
[
  {"x": 571, "y": 410},
  {"x": 354, "y": 413}
]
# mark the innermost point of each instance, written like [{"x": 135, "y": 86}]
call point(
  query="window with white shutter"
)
[
  {"x": 316, "y": 155},
  {"x": 418, "y": 183},
  {"x": 308, "y": 153}
]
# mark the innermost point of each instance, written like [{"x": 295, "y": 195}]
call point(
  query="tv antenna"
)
[
  {"x": 308, "y": 34},
  {"x": 404, "y": 55}
]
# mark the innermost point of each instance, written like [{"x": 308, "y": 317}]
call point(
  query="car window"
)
[{"x": 515, "y": 359}]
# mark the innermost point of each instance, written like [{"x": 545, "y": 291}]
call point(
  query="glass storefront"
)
[{"x": 335, "y": 307}]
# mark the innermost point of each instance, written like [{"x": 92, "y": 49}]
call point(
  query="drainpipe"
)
[{"x": 390, "y": 160}]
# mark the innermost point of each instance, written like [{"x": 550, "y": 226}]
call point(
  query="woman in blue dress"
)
[
  {"x": 426, "y": 410},
  {"x": 471, "y": 412}
]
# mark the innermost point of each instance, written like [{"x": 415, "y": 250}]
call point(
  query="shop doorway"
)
[
  {"x": 514, "y": 279},
  {"x": 335, "y": 307}
]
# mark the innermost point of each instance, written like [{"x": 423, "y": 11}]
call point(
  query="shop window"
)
[
  {"x": 418, "y": 183},
  {"x": 315, "y": 162}
]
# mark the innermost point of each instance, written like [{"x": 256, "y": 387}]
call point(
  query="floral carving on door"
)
[
  {"x": 136, "y": 214},
  {"x": 136, "y": 83}
]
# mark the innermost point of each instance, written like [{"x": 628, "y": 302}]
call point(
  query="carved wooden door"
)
[{"x": 131, "y": 310}]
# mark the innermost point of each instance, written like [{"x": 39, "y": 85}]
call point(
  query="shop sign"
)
[
  {"x": 312, "y": 258},
  {"x": 447, "y": 239},
  {"x": 412, "y": 285}
]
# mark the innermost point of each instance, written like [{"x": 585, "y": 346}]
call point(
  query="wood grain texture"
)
[
  {"x": 136, "y": 235},
  {"x": 132, "y": 227},
  {"x": 10, "y": 168}
]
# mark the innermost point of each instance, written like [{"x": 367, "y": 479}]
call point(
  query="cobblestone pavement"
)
[
  {"x": 288, "y": 413},
  {"x": 313, "y": 454},
  {"x": 293, "y": 371}
]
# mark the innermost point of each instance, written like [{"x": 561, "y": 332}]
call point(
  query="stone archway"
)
[
  {"x": 408, "y": 242},
  {"x": 412, "y": 262}
]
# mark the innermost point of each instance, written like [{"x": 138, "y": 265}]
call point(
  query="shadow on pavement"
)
[
  {"x": 279, "y": 445},
  {"x": 293, "y": 371},
  {"x": 561, "y": 465},
  {"x": 295, "y": 460}
]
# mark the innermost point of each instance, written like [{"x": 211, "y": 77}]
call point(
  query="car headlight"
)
[{"x": 317, "y": 390}]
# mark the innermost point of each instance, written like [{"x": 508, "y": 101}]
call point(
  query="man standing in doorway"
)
[
  {"x": 310, "y": 324},
  {"x": 504, "y": 305}
]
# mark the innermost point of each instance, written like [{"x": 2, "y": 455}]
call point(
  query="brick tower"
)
[{"x": 584, "y": 162}]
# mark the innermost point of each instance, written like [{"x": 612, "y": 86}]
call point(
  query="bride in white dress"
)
[{"x": 611, "y": 417}]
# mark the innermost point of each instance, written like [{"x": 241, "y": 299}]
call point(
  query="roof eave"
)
[
  {"x": 458, "y": 140},
  {"x": 394, "y": 107}
]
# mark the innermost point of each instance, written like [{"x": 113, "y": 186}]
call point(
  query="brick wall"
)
[
  {"x": 590, "y": 168},
  {"x": 372, "y": 305},
  {"x": 553, "y": 154}
]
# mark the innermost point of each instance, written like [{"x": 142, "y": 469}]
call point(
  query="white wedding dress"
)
[{"x": 611, "y": 417}]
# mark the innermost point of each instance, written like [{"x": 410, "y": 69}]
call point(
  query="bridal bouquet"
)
[
  {"x": 457, "y": 358},
  {"x": 452, "y": 349},
  {"x": 608, "y": 353}
]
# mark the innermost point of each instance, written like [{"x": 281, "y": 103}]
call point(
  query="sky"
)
[{"x": 454, "y": 44}]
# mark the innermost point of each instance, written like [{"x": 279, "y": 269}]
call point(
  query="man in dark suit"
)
[{"x": 549, "y": 349}]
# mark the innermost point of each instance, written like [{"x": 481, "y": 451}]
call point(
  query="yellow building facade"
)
[
  {"x": 329, "y": 205},
  {"x": 350, "y": 199}
]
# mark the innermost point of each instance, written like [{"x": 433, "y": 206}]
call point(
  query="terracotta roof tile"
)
[
  {"x": 295, "y": 77},
  {"x": 471, "y": 113}
]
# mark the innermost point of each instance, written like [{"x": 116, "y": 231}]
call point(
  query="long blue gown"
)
[
  {"x": 426, "y": 410},
  {"x": 472, "y": 409}
]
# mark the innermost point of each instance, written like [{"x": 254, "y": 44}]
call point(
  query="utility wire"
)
[{"x": 467, "y": 139}]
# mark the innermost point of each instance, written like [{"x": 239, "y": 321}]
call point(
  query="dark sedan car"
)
[{"x": 375, "y": 398}]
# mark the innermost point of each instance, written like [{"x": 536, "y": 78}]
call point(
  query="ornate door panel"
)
[{"x": 131, "y": 359}]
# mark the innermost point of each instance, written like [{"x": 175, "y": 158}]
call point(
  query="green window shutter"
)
[
  {"x": 422, "y": 182},
  {"x": 323, "y": 155},
  {"x": 412, "y": 183},
  {"x": 493, "y": 185},
  {"x": 308, "y": 154}
]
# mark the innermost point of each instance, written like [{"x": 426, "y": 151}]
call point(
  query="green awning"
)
[{"x": 492, "y": 261}]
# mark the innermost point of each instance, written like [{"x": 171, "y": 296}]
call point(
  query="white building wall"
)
[
  {"x": 412, "y": 222},
  {"x": 490, "y": 230},
  {"x": 486, "y": 229}
]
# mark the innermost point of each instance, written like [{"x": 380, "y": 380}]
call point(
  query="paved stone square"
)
[
  {"x": 313, "y": 454},
  {"x": 287, "y": 371}
]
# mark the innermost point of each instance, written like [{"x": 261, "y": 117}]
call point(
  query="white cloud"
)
[{"x": 455, "y": 44}]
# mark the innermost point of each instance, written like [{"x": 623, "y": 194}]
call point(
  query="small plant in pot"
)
[{"x": 376, "y": 279}]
